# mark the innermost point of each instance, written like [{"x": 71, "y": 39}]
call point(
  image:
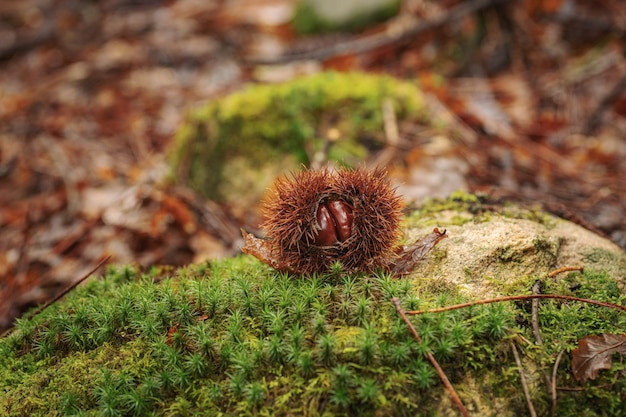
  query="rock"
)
[{"x": 496, "y": 252}]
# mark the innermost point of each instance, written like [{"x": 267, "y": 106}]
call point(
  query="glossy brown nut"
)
[
  {"x": 334, "y": 219},
  {"x": 342, "y": 214}
]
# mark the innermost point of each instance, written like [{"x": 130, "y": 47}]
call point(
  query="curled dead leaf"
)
[
  {"x": 410, "y": 255},
  {"x": 595, "y": 353}
]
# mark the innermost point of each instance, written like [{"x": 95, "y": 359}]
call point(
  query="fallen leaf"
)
[
  {"x": 594, "y": 353},
  {"x": 410, "y": 255},
  {"x": 262, "y": 250}
]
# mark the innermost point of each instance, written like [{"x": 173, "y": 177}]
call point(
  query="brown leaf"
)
[
  {"x": 410, "y": 255},
  {"x": 262, "y": 250},
  {"x": 594, "y": 353},
  {"x": 180, "y": 211}
]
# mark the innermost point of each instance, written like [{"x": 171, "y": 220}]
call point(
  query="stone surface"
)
[{"x": 490, "y": 256}]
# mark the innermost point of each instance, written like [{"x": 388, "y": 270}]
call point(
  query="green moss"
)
[
  {"x": 235, "y": 338},
  {"x": 535, "y": 215},
  {"x": 238, "y": 144},
  {"x": 601, "y": 256},
  {"x": 459, "y": 208},
  {"x": 308, "y": 21},
  {"x": 463, "y": 207},
  {"x": 561, "y": 328}
]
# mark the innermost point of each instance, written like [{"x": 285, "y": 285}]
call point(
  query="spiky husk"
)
[{"x": 291, "y": 219}]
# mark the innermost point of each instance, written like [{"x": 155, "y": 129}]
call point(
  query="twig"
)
[
  {"x": 433, "y": 361},
  {"x": 392, "y": 134},
  {"x": 534, "y": 320},
  {"x": 378, "y": 40},
  {"x": 534, "y": 317},
  {"x": 531, "y": 407},
  {"x": 67, "y": 289},
  {"x": 553, "y": 387},
  {"x": 60, "y": 295},
  {"x": 519, "y": 297},
  {"x": 564, "y": 269},
  {"x": 581, "y": 389}
]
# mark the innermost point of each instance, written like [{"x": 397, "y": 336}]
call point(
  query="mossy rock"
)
[
  {"x": 490, "y": 252},
  {"x": 232, "y": 149},
  {"x": 234, "y": 337}
]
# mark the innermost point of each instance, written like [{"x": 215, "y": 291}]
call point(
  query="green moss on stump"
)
[
  {"x": 236, "y": 338},
  {"x": 237, "y": 145},
  {"x": 311, "y": 18}
]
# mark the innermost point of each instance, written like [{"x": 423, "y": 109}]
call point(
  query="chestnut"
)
[
  {"x": 334, "y": 220},
  {"x": 318, "y": 217}
]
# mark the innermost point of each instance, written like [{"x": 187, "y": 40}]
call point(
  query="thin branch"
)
[
  {"x": 433, "y": 361},
  {"x": 553, "y": 387},
  {"x": 60, "y": 295},
  {"x": 564, "y": 269},
  {"x": 68, "y": 289},
  {"x": 519, "y": 297},
  {"x": 534, "y": 317},
  {"x": 531, "y": 407},
  {"x": 361, "y": 45}
]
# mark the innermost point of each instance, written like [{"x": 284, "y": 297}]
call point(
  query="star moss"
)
[{"x": 237, "y": 338}]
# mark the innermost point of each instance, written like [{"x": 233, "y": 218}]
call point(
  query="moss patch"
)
[
  {"x": 310, "y": 18},
  {"x": 235, "y": 146},
  {"x": 236, "y": 338}
]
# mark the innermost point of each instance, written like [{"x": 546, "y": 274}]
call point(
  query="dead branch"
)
[
  {"x": 535, "y": 312},
  {"x": 536, "y": 289},
  {"x": 60, "y": 295},
  {"x": 517, "y": 298},
  {"x": 564, "y": 269},
  {"x": 531, "y": 407},
  {"x": 553, "y": 386}
]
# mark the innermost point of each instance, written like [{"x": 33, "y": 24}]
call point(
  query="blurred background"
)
[{"x": 522, "y": 100}]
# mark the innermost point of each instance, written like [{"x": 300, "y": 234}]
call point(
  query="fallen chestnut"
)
[
  {"x": 334, "y": 221},
  {"x": 316, "y": 218}
]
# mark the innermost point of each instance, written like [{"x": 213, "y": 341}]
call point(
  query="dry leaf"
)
[
  {"x": 262, "y": 250},
  {"x": 410, "y": 255},
  {"x": 594, "y": 353}
]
